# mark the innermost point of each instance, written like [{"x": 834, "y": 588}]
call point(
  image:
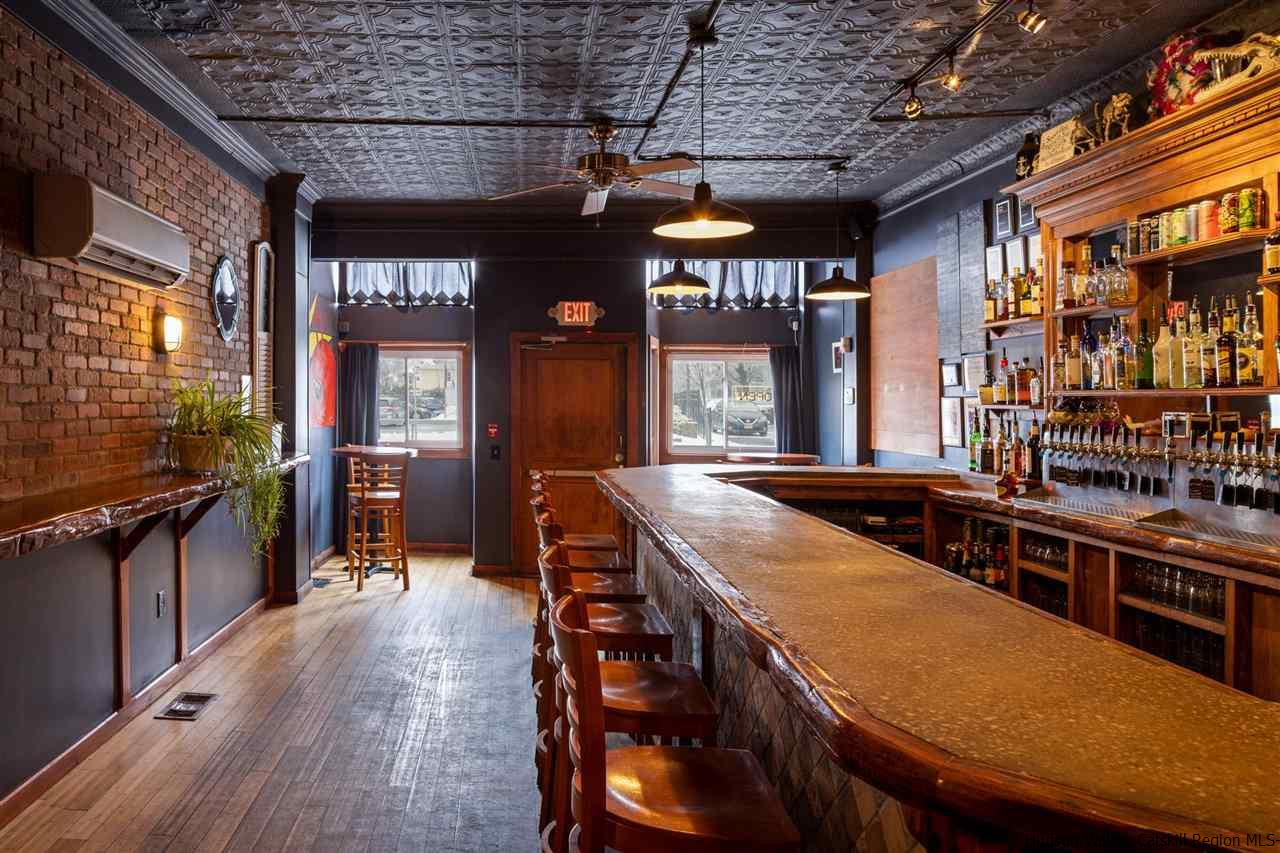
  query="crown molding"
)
[{"x": 92, "y": 23}]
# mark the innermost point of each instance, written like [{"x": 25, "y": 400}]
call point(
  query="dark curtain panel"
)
[
  {"x": 357, "y": 419},
  {"x": 735, "y": 284},
  {"x": 792, "y": 405},
  {"x": 406, "y": 285}
]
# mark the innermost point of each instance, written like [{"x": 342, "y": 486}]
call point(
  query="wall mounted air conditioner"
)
[{"x": 77, "y": 220}]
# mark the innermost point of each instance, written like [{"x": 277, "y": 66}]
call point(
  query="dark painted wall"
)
[
  {"x": 224, "y": 578},
  {"x": 152, "y": 569},
  {"x": 57, "y": 627},
  {"x": 841, "y": 426},
  {"x": 725, "y": 327},
  {"x": 321, "y": 439},
  {"x": 440, "y": 503}
]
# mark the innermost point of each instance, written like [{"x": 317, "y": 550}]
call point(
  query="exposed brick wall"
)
[{"x": 83, "y": 397}]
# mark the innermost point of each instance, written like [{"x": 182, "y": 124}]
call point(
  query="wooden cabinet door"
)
[{"x": 571, "y": 416}]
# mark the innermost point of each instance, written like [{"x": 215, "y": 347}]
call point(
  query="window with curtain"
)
[
  {"x": 718, "y": 401},
  {"x": 407, "y": 285},
  {"x": 735, "y": 283},
  {"x": 422, "y": 398}
]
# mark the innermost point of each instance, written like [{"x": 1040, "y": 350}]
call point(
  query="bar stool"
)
[
  {"x": 380, "y": 485},
  {"x": 576, "y": 541},
  {"x": 550, "y": 530},
  {"x": 646, "y": 798}
]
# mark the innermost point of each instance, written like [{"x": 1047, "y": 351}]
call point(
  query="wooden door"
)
[{"x": 575, "y": 411}]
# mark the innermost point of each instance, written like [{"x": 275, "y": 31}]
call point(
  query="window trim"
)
[
  {"x": 463, "y": 350},
  {"x": 713, "y": 352}
]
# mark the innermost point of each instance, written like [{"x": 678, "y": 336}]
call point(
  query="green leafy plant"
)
[{"x": 237, "y": 443}]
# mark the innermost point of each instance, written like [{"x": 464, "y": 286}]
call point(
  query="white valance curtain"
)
[
  {"x": 735, "y": 284},
  {"x": 407, "y": 285}
]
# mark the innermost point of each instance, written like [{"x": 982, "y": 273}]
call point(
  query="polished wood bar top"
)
[
  {"x": 43, "y": 521},
  {"x": 948, "y": 695}
]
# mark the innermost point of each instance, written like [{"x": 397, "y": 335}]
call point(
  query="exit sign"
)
[{"x": 576, "y": 313}]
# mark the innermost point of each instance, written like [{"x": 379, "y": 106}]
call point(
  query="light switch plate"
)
[{"x": 848, "y": 396}]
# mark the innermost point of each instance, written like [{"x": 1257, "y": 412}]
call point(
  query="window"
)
[
  {"x": 422, "y": 399},
  {"x": 719, "y": 401}
]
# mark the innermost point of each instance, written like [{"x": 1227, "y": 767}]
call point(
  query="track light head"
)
[
  {"x": 951, "y": 81},
  {"x": 913, "y": 106},
  {"x": 1031, "y": 20}
]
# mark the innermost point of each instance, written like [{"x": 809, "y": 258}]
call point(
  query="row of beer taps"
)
[{"x": 1247, "y": 474}]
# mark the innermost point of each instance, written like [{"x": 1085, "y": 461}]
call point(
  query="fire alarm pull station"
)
[{"x": 493, "y": 430}]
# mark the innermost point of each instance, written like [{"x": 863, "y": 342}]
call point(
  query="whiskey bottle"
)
[
  {"x": 986, "y": 451},
  {"x": 1271, "y": 250},
  {"x": 1060, "y": 366},
  {"x": 1228, "y": 369},
  {"x": 1249, "y": 349},
  {"x": 1037, "y": 289},
  {"x": 1144, "y": 358},
  {"x": 1160, "y": 356},
  {"x": 1032, "y": 465},
  {"x": 1177, "y": 379},
  {"x": 1209, "y": 348},
  {"x": 1005, "y": 306},
  {"x": 1065, "y": 294},
  {"x": 989, "y": 310},
  {"x": 1022, "y": 287},
  {"x": 1107, "y": 352},
  {"x": 1192, "y": 373},
  {"x": 1036, "y": 384},
  {"x": 1073, "y": 365}
]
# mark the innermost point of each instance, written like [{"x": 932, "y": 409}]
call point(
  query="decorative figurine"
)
[
  {"x": 1114, "y": 114},
  {"x": 1025, "y": 165},
  {"x": 1237, "y": 64}
]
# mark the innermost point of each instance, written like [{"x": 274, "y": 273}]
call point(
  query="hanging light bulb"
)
[
  {"x": 913, "y": 106},
  {"x": 703, "y": 218},
  {"x": 1031, "y": 20},
  {"x": 678, "y": 282},
  {"x": 951, "y": 81},
  {"x": 837, "y": 287}
]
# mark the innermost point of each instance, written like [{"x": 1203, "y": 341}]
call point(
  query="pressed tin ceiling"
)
[{"x": 785, "y": 78}]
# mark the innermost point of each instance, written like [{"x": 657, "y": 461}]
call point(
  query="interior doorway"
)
[{"x": 576, "y": 405}]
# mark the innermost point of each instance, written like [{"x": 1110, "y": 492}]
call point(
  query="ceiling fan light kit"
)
[{"x": 679, "y": 282}]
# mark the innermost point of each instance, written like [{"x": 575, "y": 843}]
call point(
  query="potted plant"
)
[{"x": 220, "y": 434}]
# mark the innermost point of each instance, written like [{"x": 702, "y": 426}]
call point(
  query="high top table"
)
[{"x": 351, "y": 451}]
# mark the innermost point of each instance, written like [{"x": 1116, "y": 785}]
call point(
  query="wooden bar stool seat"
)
[
  {"x": 631, "y": 628},
  {"x": 608, "y": 588},
  {"x": 657, "y": 698},
  {"x": 590, "y": 542},
  {"x": 601, "y": 562}
]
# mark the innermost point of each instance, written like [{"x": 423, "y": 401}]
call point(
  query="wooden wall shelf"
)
[
  {"x": 1204, "y": 623},
  {"x": 1203, "y": 250},
  {"x": 1268, "y": 280},
  {"x": 1094, "y": 312},
  {"x": 1009, "y": 407},
  {"x": 1174, "y": 392},
  {"x": 1054, "y": 574},
  {"x": 1016, "y": 323}
]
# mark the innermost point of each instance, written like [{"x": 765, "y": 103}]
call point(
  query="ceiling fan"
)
[{"x": 601, "y": 171}]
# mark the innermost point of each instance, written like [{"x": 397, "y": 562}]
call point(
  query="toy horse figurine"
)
[{"x": 1114, "y": 114}]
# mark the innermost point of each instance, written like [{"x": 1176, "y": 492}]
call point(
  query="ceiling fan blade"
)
[
  {"x": 664, "y": 187},
  {"x": 671, "y": 164},
  {"x": 535, "y": 189},
  {"x": 594, "y": 202},
  {"x": 570, "y": 169}
]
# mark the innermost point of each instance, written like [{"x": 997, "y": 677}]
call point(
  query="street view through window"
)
[
  {"x": 418, "y": 398},
  {"x": 720, "y": 403}
]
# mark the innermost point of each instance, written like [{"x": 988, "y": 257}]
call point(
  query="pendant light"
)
[
  {"x": 838, "y": 287},
  {"x": 703, "y": 218},
  {"x": 913, "y": 106},
  {"x": 1030, "y": 20},
  {"x": 678, "y": 282}
]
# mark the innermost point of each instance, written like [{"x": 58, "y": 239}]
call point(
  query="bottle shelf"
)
[
  {"x": 1093, "y": 312},
  {"x": 1265, "y": 280},
  {"x": 1050, "y": 572},
  {"x": 1009, "y": 407},
  {"x": 1256, "y": 391},
  {"x": 1204, "y": 623},
  {"x": 1020, "y": 327},
  {"x": 1203, "y": 250}
]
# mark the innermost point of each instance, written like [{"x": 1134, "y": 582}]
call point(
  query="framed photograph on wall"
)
[
  {"x": 1015, "y": 254},
  {"x": 950, "y": 374},
  {"x": 952, "y": 421},
  {"x": 995, "y": 261},
  {"x": 1026, "y": 215},
  {"x": 837, "y": 357},
  {"x": 1034, "y": 252},
  {"x": 975, "y": 372},
  {"x": 1004, "y": 224}
]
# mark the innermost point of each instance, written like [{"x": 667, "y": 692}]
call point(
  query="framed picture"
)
[
  {"x": 971, "y": 408},
  {"x": 1015, "y": 253},
  {"x": 950, "y": 374},
  {"x": 995, "y": 261},
  {"x": 1034, "y": 252},
  {"x": 952, "y": 421},
  {"x": 1004, "y": 218},
  {"x": 975, "y": 372},
  {"x": 1026, "y": 215},
  {"x": 837, "y": 357}
]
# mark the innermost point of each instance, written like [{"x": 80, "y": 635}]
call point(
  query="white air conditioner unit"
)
[{"x": 75, "y": 219}]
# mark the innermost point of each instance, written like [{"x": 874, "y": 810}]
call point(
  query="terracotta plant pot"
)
[{"x": 200, "y": 454}]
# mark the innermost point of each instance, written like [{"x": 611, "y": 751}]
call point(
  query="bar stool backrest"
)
[
  {"x": 380, "y": 472},
  {"x": 553, "y": 569},
  {"x": 584, "y": 711},
  {"x": 550, "y": 531}
]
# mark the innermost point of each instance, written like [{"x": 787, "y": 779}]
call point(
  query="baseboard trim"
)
[
  {"x": 439, "y": 548},
  {"x": 489, "y": 570},
  {"x": 12, "y": 804},
  {"x": 293, "y": 596},
  {"x": 318, "y": 559}
]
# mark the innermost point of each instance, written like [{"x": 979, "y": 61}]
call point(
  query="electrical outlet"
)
[{"x": 162, "y": 604}]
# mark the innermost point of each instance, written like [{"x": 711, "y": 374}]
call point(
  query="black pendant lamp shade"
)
[
  {"x": 703, "y": 218},
  {"x": 837, "y": 287},
  {"x": 679, "y": 282}
]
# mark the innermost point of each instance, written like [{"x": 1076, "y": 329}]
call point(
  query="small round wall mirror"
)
[{"x": 226, "y": 298}]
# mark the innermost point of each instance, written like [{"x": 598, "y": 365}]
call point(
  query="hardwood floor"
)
[{"x": 379, "y": 721}]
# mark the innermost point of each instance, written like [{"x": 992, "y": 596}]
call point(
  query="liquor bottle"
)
[
  {"x": 1192, "y": 374},
  {"x": 1026, "y": 374},
  {"x": 1228, "y": 369},
  {"x": 1177, "y": 379},
  {"x": 1036, "y": 384},
  {"x": 1001, "y": 449},
  {"x": 1037, "y": 288},
  {"x": 1011, "y": 384},
  {"x": 1126, "y": 363},
  {"x": 989, "y": 311},
  {"x": 1088, "y": 348},
  {"x": 986, "y": 451},
  {"x": 1271, "y": 250},
  {"x": 1144, "y": 358},
  {"x": 1002, "y": 379},
  {"x": 1018, "y": 453},
  {"x": 1249, "y": 349},
  {"x": 1107, "y": 352},
  {"x": 1209, "y": 348},
  {"x": 1073, "y": 365},
  {"x": 1004, "y": 305},
  {"x": 1160, "y": 355},
  {"x": 1022, "y": 288},
  {"x": 1118, "y": 293},
  {"x": 1060, "y": 366},
  {"x": 1032, "y": 465},
  {"x": 1064, "y": 294},
  {"x": 975, "y": 439}
]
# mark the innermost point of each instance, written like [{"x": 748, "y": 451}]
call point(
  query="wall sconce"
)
[{"x": 166, "y": 331}]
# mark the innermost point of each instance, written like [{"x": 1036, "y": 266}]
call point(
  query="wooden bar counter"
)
[{"x": 880, "y": 690}]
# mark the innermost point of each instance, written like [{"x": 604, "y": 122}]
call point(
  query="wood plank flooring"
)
[{"x": 375, "y": 721}]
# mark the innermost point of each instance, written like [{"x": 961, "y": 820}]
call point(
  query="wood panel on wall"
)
[{"x": 904, "y": 360}]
